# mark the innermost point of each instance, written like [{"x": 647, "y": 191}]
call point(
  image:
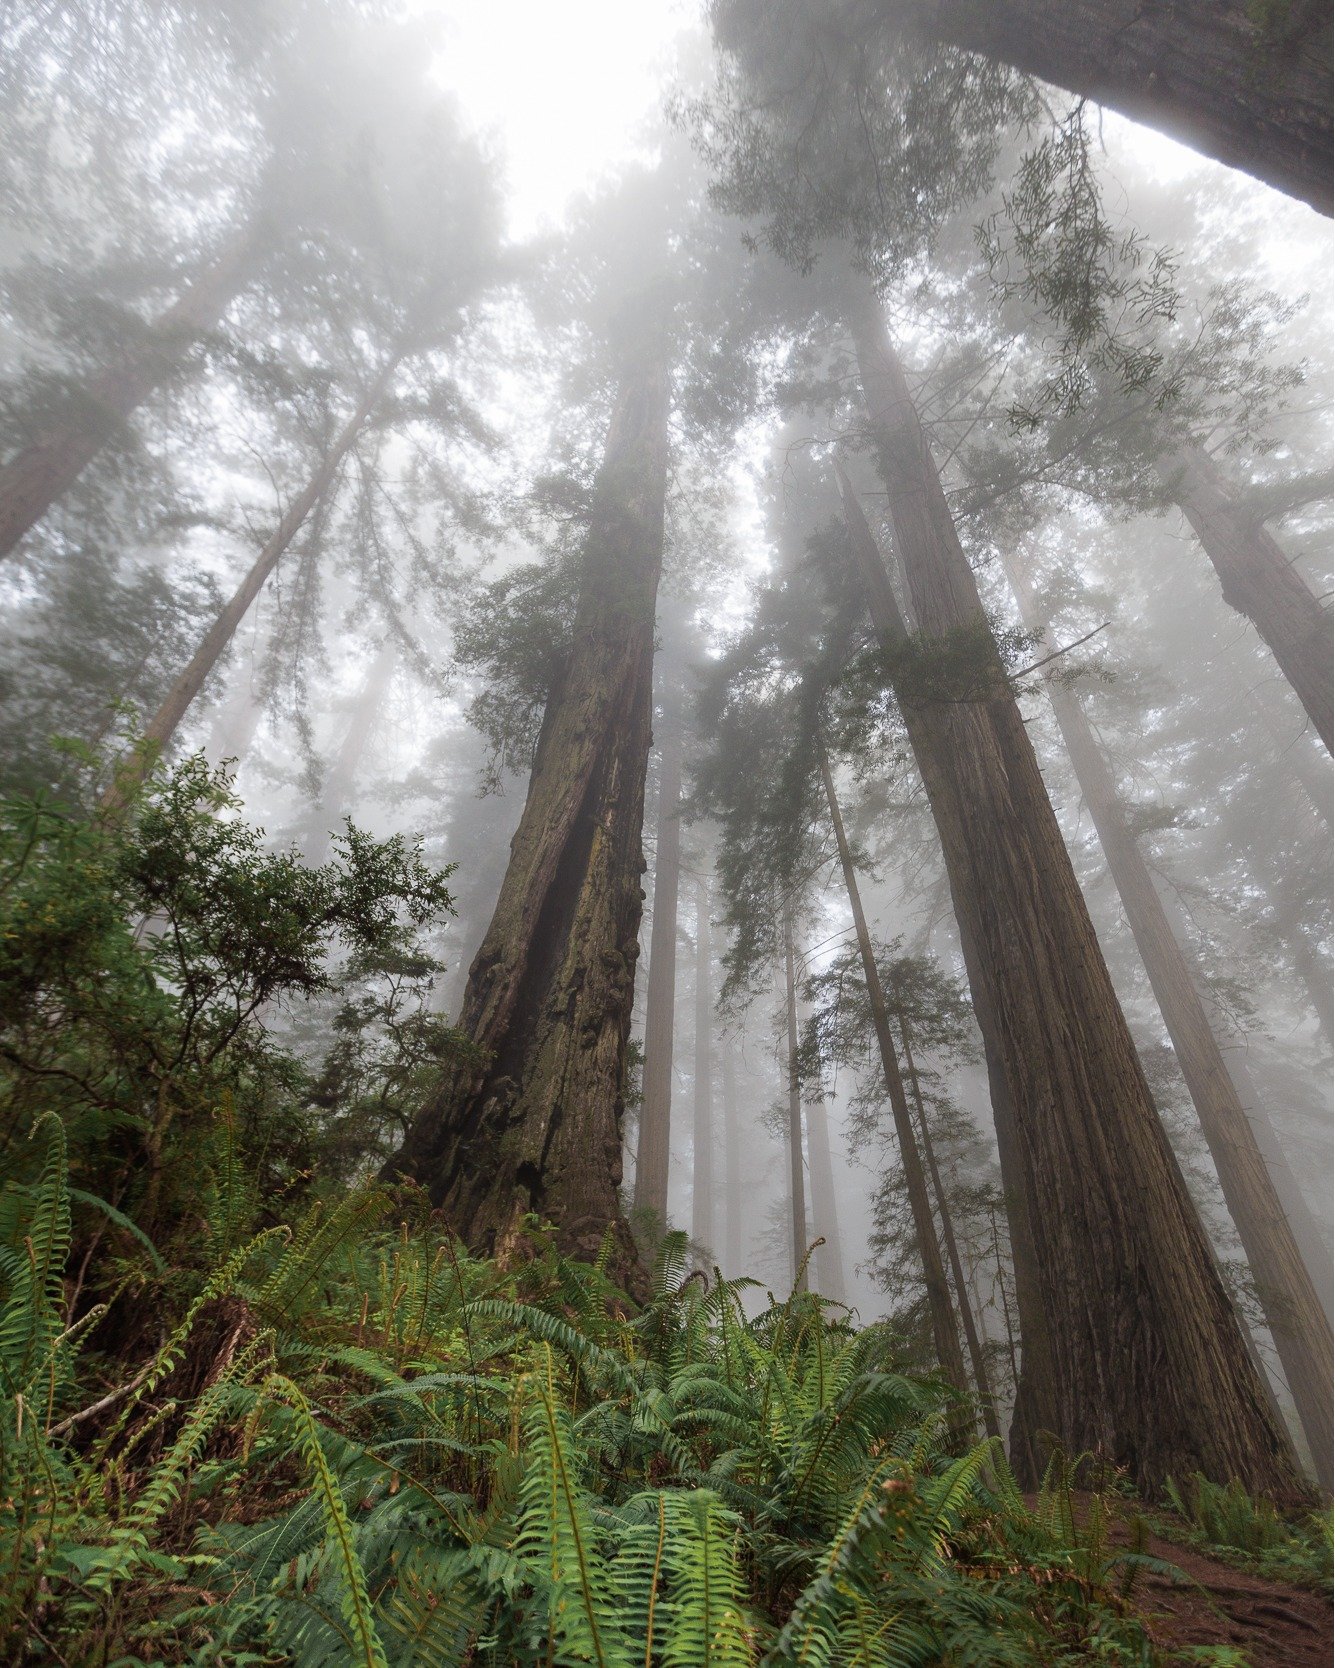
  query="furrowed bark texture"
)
[
  {"x": 655, "y": 1133},
  {"x": 797, "y": 1193},
  {"x": 46, "y": 468},
  {"x": 1258, "y": 580},
  {"x": 1034, "y": 1415},
  {"x": 977, "y": 1360},
  {"x": 702, "y": 1177},
  {"x": 945, "y": 1337},
  {"x": 160, "y": 729},
  {"x": 1247, "y": 85},
  {"x": 1149, "y": 1365},
  {"x": 536, "y": 1127},
  {"x": 1293, "y": 1311}
]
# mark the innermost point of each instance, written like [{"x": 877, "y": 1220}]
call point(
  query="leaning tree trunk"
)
[
  {"x": 1293, "y": 1312},
  {"x": 702, "y": 1168},
  {"x": 732, "y": 1172},
  {"x": 337, "y": 797},
  {"x": 797, "y": 1202},
  {"x": 160, "y": 729},
  {"x": 1244, "y": 83},
  {"x": 49, "y": 465},
  {"x": 945, "y": 1338},
  {"x": 977, "y": 1359},
  {"x": 1259, "y": 581},
  {"x": 531, "y": 1125},
  {"x": 655, "y": 1134},
  {"x": 1149, "y": 1363}
]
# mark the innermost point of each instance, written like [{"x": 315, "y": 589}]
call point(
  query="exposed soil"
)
[{"x": 1278, "y": 1626}]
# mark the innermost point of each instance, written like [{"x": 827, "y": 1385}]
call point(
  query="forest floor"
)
[{"x": 1274, "y": 1624}]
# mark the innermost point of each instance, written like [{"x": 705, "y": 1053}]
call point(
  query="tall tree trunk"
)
[
  {"x": 797, "y": 1203},
  {"x": 49, "y": 465},
  {"x": 702, "y": 1169},
  {"x": 337, "y": 797},
  {"x": 945, "y": 1337},
  {"x": 824, "y": 1206},
  {"x": 1259, "y": 581},
  {"x": 1150, "y": 1365},
  {"x": 534, "y": 1125},
  {"x": 160, "y": 729},
  {"x": 1246, "y": 85},
  {"x": 1293, "y": 1312},
  {"x": 977, "y": 1360},
  {"x": 653, "y": 1146},
  {"x": 732, "y": 1171}
]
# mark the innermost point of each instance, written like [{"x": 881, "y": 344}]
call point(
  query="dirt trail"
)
[{"x": 1278, "y": 1626}]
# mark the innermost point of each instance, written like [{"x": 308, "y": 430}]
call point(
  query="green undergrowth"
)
[
  {"x": 356, "y": 1444},
  {"x": 1229, "y": 1524},
  {"x": 254, "y": 1411}
]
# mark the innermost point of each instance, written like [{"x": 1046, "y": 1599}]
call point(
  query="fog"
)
[{"x": 333, "y": 338}]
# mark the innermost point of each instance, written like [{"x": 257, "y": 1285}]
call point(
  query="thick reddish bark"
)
[
  {"x": 1293, "y": 1312},
  {"x": 1034, "y": 1416},
  {"x": 1248, "y": 85},
  {"x": 1259, "y": 581},
  {"x": 655, "y": 1134},
  {"x": 49, "y": 465},
  {"x": 532, "y": 1124},
  {"x": 797, "y": 1191},
  {"x": 1149, "y": 1365},
  {"x": 702, "y": 1145},
  {"x": 945, "y": 1338},
  {"x": 160, "y": 729}
]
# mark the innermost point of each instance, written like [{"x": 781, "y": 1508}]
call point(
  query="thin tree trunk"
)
[
  {"x": 239, "y": 717},
  {"x": 1293, "y": 1312},
  {"x": 237, "y": 720},
  {"x": 824, "y": 1207},
  {"x": 337, "y": 797},
  {"x": 1246, "y": 85},
  {"x": 1006, "y": 1321},
  {"x": 732, "y": 1172},
  {"x": 1309, "y": 968},
  {"x": 1259, "y": 581},
  {"x": 1035, "y": 1416},
  {"x": 945, "y": 1338},
  {"x": 1149, "y": 1363},
  {"x": 977, "y": 1360},
  {"x": 797, "y": 1204},
  {"x": 49, "y": 465},
  {"x": 160, "y": 729},
  {"x": 1311, "y": 774},
  {"x": 533, "y": 1125},
  {"x": 702, "y": 1169},
  {"x": 654, "y": 1142}
]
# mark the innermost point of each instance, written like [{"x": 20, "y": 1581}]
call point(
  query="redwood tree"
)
[
  {"x": 1248, "y": 85},
  {"x": 1148, "y": 1361},
  {"x": 531, "y": 1123}
]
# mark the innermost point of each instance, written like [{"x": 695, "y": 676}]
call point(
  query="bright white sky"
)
[{"x": 563, "y": 85}]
